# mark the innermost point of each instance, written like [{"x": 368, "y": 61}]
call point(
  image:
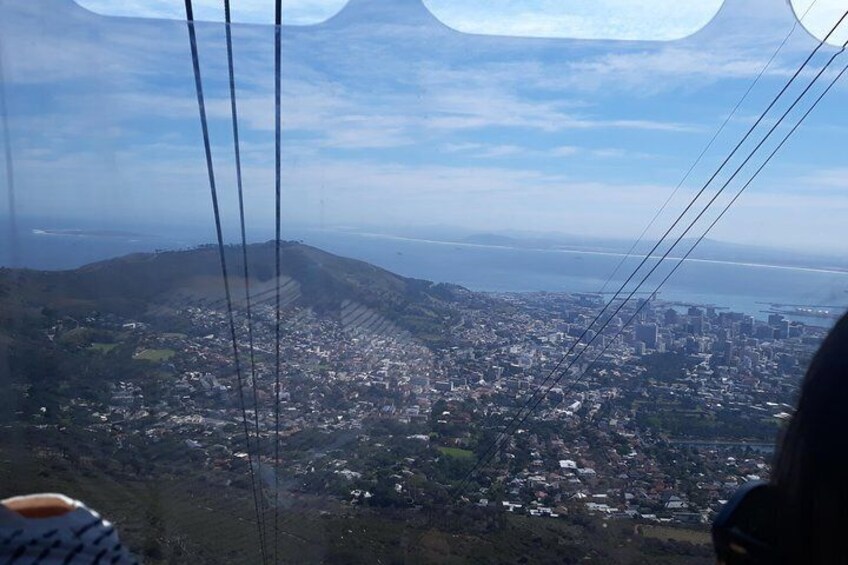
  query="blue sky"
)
[
  {"x": 599, "y": 19},
  {"x": 392, "y": 118}
]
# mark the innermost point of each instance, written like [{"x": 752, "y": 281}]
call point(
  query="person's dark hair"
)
[{"x": 811, "y": 466}]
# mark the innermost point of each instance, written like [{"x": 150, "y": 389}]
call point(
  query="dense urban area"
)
[
  {"x": 676, "y": 414},
  {"x": 657, "y": 422}
]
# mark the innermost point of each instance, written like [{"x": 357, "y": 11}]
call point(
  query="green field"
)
[
  {"x": 102, "y": 347},
  {"x": 457, "y": 452},
  {"x": 155, "y": 355}
]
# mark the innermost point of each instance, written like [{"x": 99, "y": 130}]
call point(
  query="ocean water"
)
[{"x": 745, "y": 287}]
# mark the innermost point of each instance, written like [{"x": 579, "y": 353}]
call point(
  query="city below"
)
[{"x": 393, "y": 404}]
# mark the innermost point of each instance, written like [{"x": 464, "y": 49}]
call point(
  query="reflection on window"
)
[
  {"x": 820, "y": 18},
  {"x": 295, "y": 12},
  {"x": 601, "y": 19}
]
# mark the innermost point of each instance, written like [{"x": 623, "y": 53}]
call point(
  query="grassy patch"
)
[
  {"x": 155, "y": 355},
  {"x": 664, "y": 533},
  {"x": 102, "y": 347},
  {"x": 457, "y": 452}
]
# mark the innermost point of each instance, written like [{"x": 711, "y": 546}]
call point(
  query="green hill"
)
[{"x": 144, "y": 285}]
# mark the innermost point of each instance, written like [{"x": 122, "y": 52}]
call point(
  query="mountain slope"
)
[{"x": 140, "y": 285}]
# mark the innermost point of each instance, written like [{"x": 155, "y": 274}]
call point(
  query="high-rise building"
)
[
  {"x": 746, "y": 326},
  {"x": 729, "y": 350},
  {"x": 694, "y": 346},
  {"x": 764, "y": 332},
  {"x": 671, "y": 317},
  {"x": 648, "y": 334},
  {"x": 696, "y": 324},
  {"x": 774, "y": 320}
]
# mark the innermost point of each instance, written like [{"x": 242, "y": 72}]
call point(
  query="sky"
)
[
  {"x": 600, "y": 19},
  {"x": 392, "y": 118}
]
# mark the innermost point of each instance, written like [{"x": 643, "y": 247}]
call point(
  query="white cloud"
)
[
  {"x": 114, "y": 129},
  {"x": 657, "y": 70},
  {"x": 794, "y": 221},
  {"x": 454, "y": 108},
  {"x": 824, "y": 179},
  {"x": 141, "y": 183},
  {"x": 565, "y": 151},
  {"x": 482, "y": 150},
  {"x": 488, "y": 151}
]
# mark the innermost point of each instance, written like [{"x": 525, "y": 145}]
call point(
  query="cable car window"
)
[
  {"x": 297, "y": 12},
  {"x": 654, "y": 20},
  {"x": 378, "y": 289}
]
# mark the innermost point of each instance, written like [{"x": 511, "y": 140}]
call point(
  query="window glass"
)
[
  {"x": 821, "y": 17},
  {"x": 295, "y": 12},
  {"x": 458, "y": 211},
  {"x": 601, "y": 19}
]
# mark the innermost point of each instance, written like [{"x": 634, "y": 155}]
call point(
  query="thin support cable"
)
[
  {"x": 706, "y": 148},
  {"x": 278, "y": 24},
  {"x": 702, "y": 236},
  {"x": 198, "y": 84},
  {"x": 246, "y": 271},
  {"x": 676, "y": 242},
  {"x": 691, "y": 225},
  {"x": 493, "y": 446}
]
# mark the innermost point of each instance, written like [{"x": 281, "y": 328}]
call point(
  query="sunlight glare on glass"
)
[
  {"x": 822, "y": 16},
  {"x": 295, "y": 12},
  {"x": 598, "y": 19}
]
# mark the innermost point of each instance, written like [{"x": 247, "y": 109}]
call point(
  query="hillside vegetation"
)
[{"x": 147, "y": 285}]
